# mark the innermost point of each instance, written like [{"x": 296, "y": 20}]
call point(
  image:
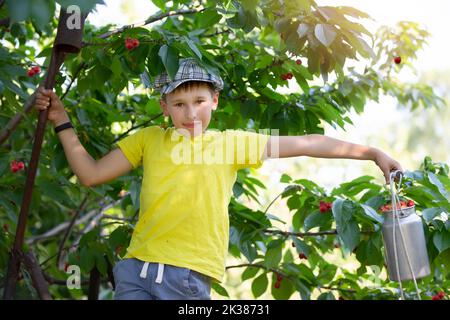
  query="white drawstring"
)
[
  {"x": 159, "y": 276},
  {"x": 143, "y": 274}
]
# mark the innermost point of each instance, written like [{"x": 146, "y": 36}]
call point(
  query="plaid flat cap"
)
[{"x": 189, "y": 70}]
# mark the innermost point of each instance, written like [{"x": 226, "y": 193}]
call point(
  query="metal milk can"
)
[{"x": 404, "y": 245}]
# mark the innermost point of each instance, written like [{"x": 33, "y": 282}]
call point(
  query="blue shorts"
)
[{"x": 139, "y": 280}]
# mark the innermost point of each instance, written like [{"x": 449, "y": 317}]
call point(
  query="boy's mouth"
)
[{"x": 191, "y": 125}]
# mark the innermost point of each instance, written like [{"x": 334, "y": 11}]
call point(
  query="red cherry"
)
[
  {"x": 441, "y": 294},
  {"x": 302, "y": 256},
  {"x": 30, "y": 73},
  {"x": 289, "y": 75},
  {"x": 410, "y": 203},
  {"x": 135, "y": 42},
  {"x": 20, "y": 165},
  {"x": 36, "y": 69},
  {"x": 13, "y": 166},
  {"x": 299, "y": 62},
  {"x": 398, "y": 60},
  {"x": 436, "y": 297},
  {"x": 324, "y": 206},
  {"x": 279, "y": 277},
  {"x": 277, "y": 285},
  {"x": 283, "y": 76}
]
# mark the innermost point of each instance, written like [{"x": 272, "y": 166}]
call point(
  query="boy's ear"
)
[
  {"x": 163, "y": 106},
  {"x": 215, "y": 100}
]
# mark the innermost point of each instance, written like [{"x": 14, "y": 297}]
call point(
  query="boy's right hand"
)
[{"x": 46, "y": 98}]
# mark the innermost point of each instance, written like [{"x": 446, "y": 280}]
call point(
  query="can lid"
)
[{"x": 402, "y": 212}]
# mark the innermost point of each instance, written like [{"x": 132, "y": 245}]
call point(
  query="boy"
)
[{"x": 180, "y": 241}]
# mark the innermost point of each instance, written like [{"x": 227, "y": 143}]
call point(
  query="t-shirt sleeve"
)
[
  {"x": 249, "y": 149},
  {"x": 133, "y": 147}
]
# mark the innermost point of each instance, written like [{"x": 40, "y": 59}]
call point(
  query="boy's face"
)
[{"x": 190, "y": 109}]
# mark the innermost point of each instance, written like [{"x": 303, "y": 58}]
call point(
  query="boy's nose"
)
[{"x": 191, "y": 114}]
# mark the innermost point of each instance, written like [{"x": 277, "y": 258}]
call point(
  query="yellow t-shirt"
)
[{"x": 186, "y": 188}]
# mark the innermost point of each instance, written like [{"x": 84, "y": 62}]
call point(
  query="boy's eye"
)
[
  {"x": 200, "y": 101},
  {"x": 179, "y": 104}
]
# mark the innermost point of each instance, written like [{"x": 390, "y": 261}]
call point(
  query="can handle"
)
[{"x": 397, "y": 175}]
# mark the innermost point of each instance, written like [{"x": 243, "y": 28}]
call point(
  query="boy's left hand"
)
[{"x": 386, "y": 164}]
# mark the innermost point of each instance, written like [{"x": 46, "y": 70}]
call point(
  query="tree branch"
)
[
  {"x": 61, "y": 227},
  {"x": 75, "y": 75},
  {"x": 151, "y": 19},
  {"x": 14, "y": 122},
  {"x": 138, "y": 126},
  {"x": 80, "y": 208}
]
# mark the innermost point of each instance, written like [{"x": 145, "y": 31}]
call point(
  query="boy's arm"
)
[
  {"x": 319, "y": 146},
  {"x": 89, "y": 171}
]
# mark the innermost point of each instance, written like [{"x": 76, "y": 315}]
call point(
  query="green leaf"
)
[
  {"x": 285, "y": 291},
  {"x": 55, "y": 192},
  {"x": 193, "y": 47},
  {"x": 325, "y": 34},
  {"x": 135, "y": 194},
  {"x": 219, "y": 289},
  {"x": 41, "y": 11},
  {"x": 273, "y": 257},
  {"x": 18, "y": 10},
  {"x": 169, "y": 57},
  {"x": 89, "y": 238},
  {"x": 347, "y": 227},
  {"x": 326, "y": 296},
  {"x": 259, "y": 285},
  {"x": 441, "y": 240},
  {"x": 372, "y": 214},
  {"x": 436, "y": 182},
  {"x": 100, "y": 263},
  {"x": 301, "y": 247},
  {"x": 350, "y": 11},
  {"x": 327, "y": 273},
  {"x": 87, "y": 259},
  {"x": 305, "y": 292},
  {"x": 160, "y": 4},
  {"x": 429, "y": 213},
  {"x": 250, "y": 272},
  {"x": 317, "y": 219},
  {"x": 208, "y": 18},
  {"x": 285, "y": 178}
]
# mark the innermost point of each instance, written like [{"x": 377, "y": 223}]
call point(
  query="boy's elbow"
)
[{"x": 87, "y": 183}]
